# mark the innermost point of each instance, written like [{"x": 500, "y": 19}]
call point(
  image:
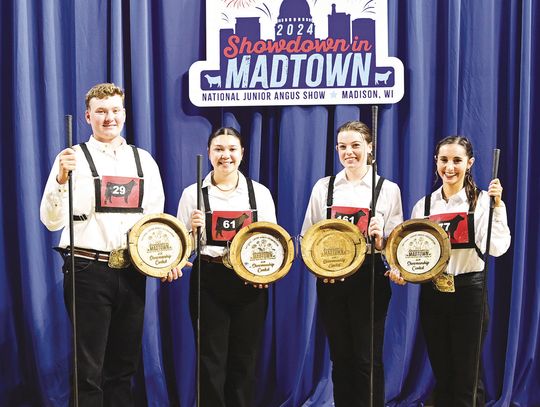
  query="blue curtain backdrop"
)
[{"x": 471, "y": 67}]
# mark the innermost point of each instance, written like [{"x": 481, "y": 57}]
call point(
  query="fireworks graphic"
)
[
  {"x": 369, "y": 7},
  {"x": 244, "y": 4},
  {"x": 263, "y": 245},
  {"x": 266, "y": 10},
  {"x": 239, "y": 3}
]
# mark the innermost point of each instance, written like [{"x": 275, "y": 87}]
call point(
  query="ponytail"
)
[{"x": 471, "y": 190}]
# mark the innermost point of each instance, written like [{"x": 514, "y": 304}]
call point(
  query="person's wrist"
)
[
  {"x": 61, "y": 179},
  {"x": 379, "y": 243}
]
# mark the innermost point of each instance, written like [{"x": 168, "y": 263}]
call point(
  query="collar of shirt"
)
[
  {"x": 241, "y": 189},
  {"x": 341, "y": 177},
  {"x": 107, "y": 148},
  {"x": 459, "y": 198}
]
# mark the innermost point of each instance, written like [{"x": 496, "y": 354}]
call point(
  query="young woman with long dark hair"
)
[
  {"x": 232, "y": 312},
  {"x": 450, "y": 317}
]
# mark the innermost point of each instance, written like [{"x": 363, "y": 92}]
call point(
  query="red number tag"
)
[
  {"x": 120, "y": 192},
  {"x": 455, "y": 224},
  {"x": 226, "y": 224},
  {"x": 357, "y": 216}
]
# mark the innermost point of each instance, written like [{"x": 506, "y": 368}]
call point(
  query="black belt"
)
[
  {"x": 210, "y": 259},
  {"x": 467, "y": 279},
  {"x": 84, "y": 253},
  {"x": 90, "y": 254}
]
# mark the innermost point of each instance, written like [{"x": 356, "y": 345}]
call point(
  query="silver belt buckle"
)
[{"x": 119, "y": 259}]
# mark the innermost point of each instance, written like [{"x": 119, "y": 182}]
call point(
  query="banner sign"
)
[{"x": 296, "y": 52}]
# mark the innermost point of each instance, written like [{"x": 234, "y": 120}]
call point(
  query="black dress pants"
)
[
  {"x": 231, "y": 322},
  {"x": 450, "y": 322},
  {"x": 110, "y": 314},
  {"x": 345, "y": 308}
]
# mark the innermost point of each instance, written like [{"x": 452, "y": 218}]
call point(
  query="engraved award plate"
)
[
  {"x": 158, "y": 243},
  {"x": 261, "y": 253},
  {"x": 333, "y": 248},
  {"x": 333, "y": 251},
  {"x": 419, "y": 249},
  {"x": 418, "y": 252}
]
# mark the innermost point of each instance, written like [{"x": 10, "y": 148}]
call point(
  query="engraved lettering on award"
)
[
  {"x": 333, "y": 248},
  {"x": 159, "y": 245},
  {"x": 418, "y": 252},
  {"x": 333, "y": 251},
  {"x": 262, "y": 254},
  {"x": 419, "y": 249}
]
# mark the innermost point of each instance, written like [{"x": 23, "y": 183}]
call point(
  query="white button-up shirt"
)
[
  {"x": 100, "y": 231},
  {"x": 467, "y": 260},
  {"x": 235, "y": 201},
  {"x": 355, "y": 194}
]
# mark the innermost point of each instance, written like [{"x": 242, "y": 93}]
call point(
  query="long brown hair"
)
[{"x": 471, "y": 190}]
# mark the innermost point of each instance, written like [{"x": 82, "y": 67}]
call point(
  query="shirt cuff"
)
[{"x": 499, "y": 213}]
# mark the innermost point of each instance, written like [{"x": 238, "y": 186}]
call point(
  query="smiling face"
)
[
  {"x": 452, "y": 165},
  {"x": 353, "y": 150},
  {"x": 225, "y": 154},
  {"x": 107, "y": 117}
]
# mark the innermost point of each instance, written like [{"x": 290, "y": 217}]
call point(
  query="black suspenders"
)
[
  {"x": 208, "y": 210},
  {"x": 377, "y": 192},
  {"x": 470, "y": 220},
  {"x": 252, "y": 201},
  {"x": 90, "y": 160},
  {"x": 427, "y": 205},
  {"x": 95, "y": 175},
  {"x": 251, "y": 194},
  {"x": 330, "y": 196}
]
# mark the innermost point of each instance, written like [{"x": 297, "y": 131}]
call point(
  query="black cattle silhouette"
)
[
  {"x": 347, "y": 216},
  {"x": 225, "y": 224},
  {"x": 453, "y": 224},
  {"x": 113, "y": 189}
]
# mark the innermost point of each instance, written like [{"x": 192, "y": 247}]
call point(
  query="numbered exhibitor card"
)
[
  {"x": 296, "y": 52},
  {"x": 226, "y": 224}
]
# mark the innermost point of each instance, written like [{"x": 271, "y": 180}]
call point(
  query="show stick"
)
[
  {"x": 374, "y": 124},
  {"x": 69, "y": 140},
  {"x": 199, "y": 233},
  {"x": 494, "y": 171}
]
